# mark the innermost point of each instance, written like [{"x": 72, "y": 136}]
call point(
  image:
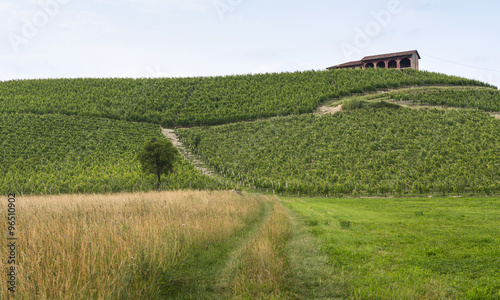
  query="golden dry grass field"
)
[{"x": 146, "y": 245}]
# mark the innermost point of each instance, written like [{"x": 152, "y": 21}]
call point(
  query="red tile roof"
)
[
  {"x": 390, "y": 55},
  {"x": 348, "y": 64}
]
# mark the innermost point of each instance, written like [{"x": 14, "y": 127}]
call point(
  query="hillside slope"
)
[
  {"x": 368, "y": 152},
  {"x": 53, "y": 154},
  {"x": 204, "y": 101}
]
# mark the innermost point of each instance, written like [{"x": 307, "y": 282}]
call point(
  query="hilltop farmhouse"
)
[{"x": 398, "y": 60}]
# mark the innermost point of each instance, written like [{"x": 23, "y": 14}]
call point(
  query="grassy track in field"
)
[
  {"x": 198, "y": 276},
  {"x": 417, "y": 248}
]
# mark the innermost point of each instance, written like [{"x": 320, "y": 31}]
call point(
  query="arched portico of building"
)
[
  {"x": 398, "y": 60},
  {"x": 405, "y": 63}
]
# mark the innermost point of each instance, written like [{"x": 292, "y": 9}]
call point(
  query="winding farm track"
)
[
  {"x": 170, "y": 134},
  {"x": 328, "y": 109},
  {"x": 333, "y": 106}
]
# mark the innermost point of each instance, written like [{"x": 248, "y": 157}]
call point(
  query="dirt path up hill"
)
[{"x": 199, "y": 165}]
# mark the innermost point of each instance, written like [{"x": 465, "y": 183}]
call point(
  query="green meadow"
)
[{"x": 407, "y": 248}]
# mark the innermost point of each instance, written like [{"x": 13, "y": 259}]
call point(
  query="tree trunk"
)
[{"x": 159, "y": 180}]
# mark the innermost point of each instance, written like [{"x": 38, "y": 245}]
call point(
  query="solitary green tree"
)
[{"x": 157, "y": 157}]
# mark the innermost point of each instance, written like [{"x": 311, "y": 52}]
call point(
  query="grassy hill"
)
[{"x": 204, "y": 101}]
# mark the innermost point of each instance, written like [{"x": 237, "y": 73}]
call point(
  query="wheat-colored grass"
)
[
  {"x": 116, "y": 246},
  {"x": 262, "y": 265}
]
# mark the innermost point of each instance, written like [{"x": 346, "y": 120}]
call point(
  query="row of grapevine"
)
[
  {"x": 54, "y": 154},
  {"x": 204, "y": 101},
  {"x": 368, "y": 152},
  {"x": 483, "y": 99}
]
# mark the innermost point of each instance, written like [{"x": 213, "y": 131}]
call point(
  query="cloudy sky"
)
[{"x": 181, "y": 38}]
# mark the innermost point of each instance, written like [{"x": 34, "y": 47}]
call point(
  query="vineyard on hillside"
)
[
  {"x": 487, "y": 100},
  {"x": 204, "y": 101},
  {"x": 362, "y": 152},
  {"x": 70, "y": 154}
]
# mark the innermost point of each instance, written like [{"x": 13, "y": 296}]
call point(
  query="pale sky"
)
[{"x": 186, "y": 38}]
